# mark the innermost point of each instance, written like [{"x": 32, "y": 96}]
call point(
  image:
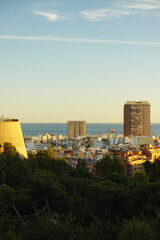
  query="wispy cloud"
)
[
  {"x": 145, "y": 5},
  {"x": 78, "y": 40},
  {"x": 50, "y": 16},
  {"x": 121, "y": 8},
  {"x": 102, "y": 14},
  {"x": 142, "y": 6}
]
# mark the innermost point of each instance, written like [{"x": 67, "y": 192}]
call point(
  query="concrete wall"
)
[
  {"x": 136, "y": 141},
  {"x": 11, "y": 132}
]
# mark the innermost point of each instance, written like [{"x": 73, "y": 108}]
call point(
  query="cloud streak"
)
[
  {"x": 122, "y": 8},
  {"x": 145, "y": 6},
  {"x": 49, "y": 16},
  {"x": 102, "y": 14},
  {"x": 78, "y": 40}
]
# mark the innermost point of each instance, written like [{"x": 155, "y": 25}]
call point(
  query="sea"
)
[{"x": 35, "y": 129}]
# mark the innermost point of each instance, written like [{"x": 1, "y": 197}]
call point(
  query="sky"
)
[{"x": 66, "y": 60}]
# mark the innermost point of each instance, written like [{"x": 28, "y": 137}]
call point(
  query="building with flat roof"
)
[
  {"x": 136, "y": 119},
  {"x": 76, "y": 128}
]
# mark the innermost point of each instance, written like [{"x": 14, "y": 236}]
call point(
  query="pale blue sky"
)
[{"x": 78, "y": 59}]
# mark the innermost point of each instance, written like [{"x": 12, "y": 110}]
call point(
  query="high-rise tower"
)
[
  {"x": 136, "y": 119},
  {"x": 76, "y": 128}
]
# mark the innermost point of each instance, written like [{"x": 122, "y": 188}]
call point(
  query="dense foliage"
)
[{"x": 43, "y": 198}]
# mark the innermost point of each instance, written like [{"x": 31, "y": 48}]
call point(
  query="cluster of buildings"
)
[
  {"x": 93, "y": 148},
  {"x": 133, "y": 147}
]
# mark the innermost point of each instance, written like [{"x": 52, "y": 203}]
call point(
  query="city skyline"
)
[{"x": 78, "y": 60}]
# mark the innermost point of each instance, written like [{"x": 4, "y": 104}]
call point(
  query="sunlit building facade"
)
[
  {"x": 11, "y": 132},
  {"x": 76, "y": 128},
  {"x": 136, "y": 119}
]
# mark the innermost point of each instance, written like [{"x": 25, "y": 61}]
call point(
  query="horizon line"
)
[
  {"x": 80, "y": 120},
  {"x": 78, "y": 40}
]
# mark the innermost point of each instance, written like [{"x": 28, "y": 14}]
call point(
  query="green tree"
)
[
  {"x": 82, "y": 170},
  {"x": 140, "y": 200},
  {"x": 9, "y": 149},
  {"x": 153, "y": 170},
  {"x": 2, "y": 175},
  {"x": 141, "y": 177},
  {"x": 9, "y": 226},
  {"x": 106, "y": 199},
  {"x": 48, "y": 192},
  {"x": 12, "y": 236},
  {"x": 118, "y": 178},
  {"x": 50, "y": 153},
  {"x": 109, "y": 165},
  {"x": 7, "y": 197},
  {"x": 40, "y": 227},
  {"x": 136, "y": 229},
  {"x": 46, "y": 160},
  {"x": 15, "y": 170}
]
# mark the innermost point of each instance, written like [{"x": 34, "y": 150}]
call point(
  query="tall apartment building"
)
[
  {"x": 137, "y": 119},
  {"x": 76, "y": 128}
]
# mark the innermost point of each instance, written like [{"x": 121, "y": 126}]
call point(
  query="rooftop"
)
[
  {"x": 134, "y": 102},
  {"x": 2, "y": 119}
]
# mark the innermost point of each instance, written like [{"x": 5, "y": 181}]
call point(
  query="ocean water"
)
[{"x": 35, "y": 129}]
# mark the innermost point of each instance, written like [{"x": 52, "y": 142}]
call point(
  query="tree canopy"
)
[
  {"x": 43, "y": 198},
  {"x": 109, "y": 165}
]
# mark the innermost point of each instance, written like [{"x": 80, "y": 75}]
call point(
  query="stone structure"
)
[{"x": 11, "y": 132}]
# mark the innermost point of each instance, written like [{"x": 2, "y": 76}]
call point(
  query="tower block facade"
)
[
  {"x": 76, "y": 128},
  {"x": 11, "y": 132},
  {"x": 136, "y": 119}
]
